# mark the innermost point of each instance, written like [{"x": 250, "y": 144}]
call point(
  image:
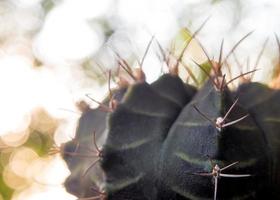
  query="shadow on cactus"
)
[{"x": 169, "y": 140}]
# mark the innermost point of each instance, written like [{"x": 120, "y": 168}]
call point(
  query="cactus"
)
[{"x": 170, "y": 140}]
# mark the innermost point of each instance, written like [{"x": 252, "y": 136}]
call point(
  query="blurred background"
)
[{"x": 53, "y": 52}]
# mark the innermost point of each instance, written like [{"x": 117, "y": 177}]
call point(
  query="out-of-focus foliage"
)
[
  {"x": 37, "y": 141},
  {"x": 185, "y": 49},
  {"x": 48, "y": 5},
  {"x": 5, "y": 191}
]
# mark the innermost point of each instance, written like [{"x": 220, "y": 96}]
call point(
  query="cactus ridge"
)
[{"x": 169, "y": 140}]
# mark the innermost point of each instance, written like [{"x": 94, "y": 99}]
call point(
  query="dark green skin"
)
[
  {"x": 137, "y": 130},
  {"x": 263, "y": 105},
  {"x": 156, "y": 141},
  {"x": 92, "y": 120},
  {"x": 192, "y": 140}
]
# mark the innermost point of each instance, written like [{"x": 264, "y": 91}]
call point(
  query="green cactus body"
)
[
  {"x": 91, "y": 120},
  {"x": 192, "y": 140},
  {"x": 168, "y": 141},
  {"x": 132, "y": 155},
  {"x": 264, "y": 108}
]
